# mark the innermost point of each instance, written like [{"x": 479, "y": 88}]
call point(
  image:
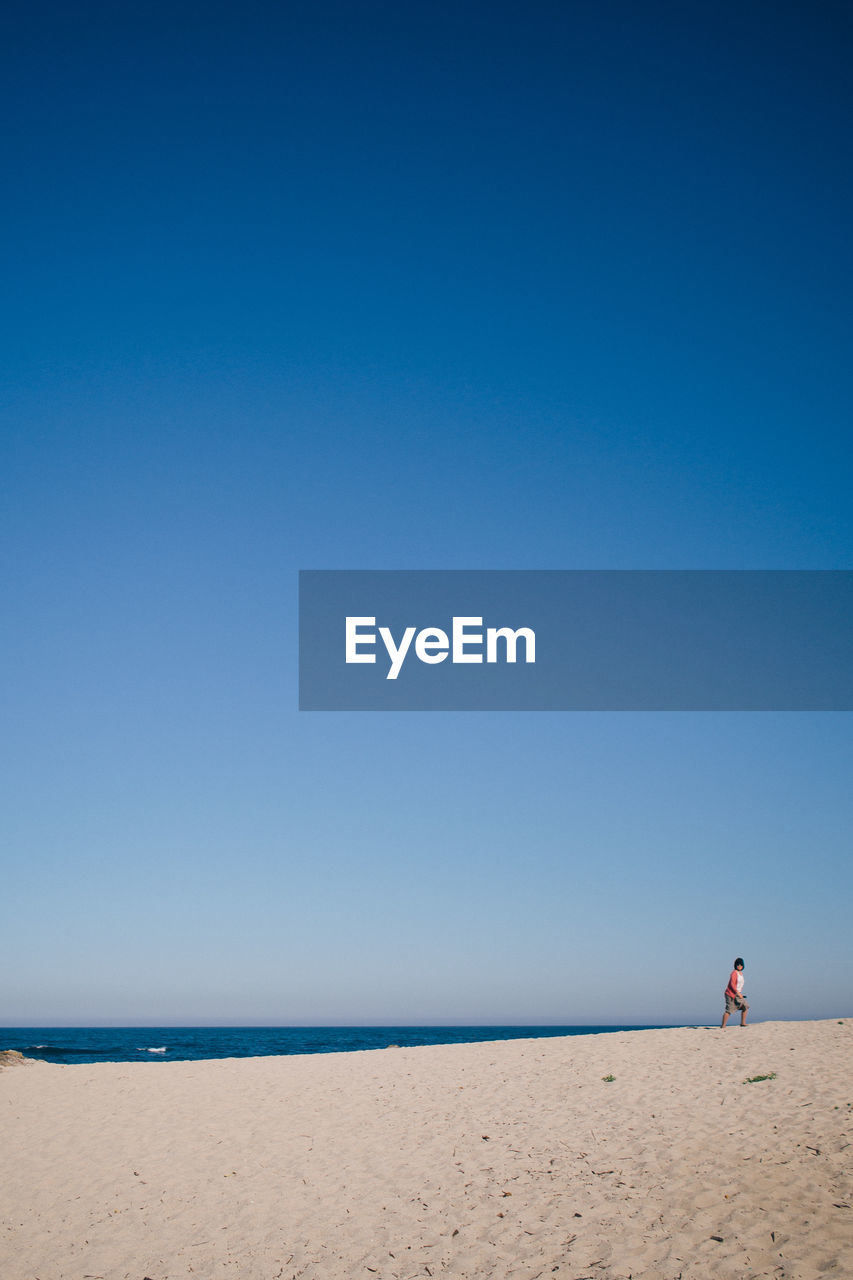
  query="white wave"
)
[{"x": 143, "y": 1049}]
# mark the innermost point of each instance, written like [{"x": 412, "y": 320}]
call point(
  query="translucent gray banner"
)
[{"x": 575, "y": 640}]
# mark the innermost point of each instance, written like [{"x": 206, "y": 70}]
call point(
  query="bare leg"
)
[
  {"x": 724, "y": 1021},
  {"x": 743, "y": 1014}
]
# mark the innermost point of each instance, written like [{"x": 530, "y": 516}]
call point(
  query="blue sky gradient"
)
[{"x": 424, "y": 286}]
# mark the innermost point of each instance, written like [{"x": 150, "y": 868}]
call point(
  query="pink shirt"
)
[{"x": 735, "y": 983}]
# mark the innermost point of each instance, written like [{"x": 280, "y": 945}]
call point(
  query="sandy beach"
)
[{"x": 503, "y": 1159}]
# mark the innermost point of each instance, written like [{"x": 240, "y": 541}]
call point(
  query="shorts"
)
[{"x": 734, "y": 1002}]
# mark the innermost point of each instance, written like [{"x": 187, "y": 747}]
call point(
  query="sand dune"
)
[{"x": 497, "y": 1160}]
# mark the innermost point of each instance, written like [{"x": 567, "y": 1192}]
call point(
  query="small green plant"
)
[
  {"x": 608, "y": 1079},
  {"x": 756, "y": 1079}
]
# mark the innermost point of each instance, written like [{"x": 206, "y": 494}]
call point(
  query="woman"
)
[{"x": 734, "y": 994}]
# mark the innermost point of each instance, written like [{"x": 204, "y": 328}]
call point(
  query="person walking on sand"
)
[{"x": 734, "y": 995}]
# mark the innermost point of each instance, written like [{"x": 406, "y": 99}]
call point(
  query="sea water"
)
[{"x": 183, "y": 1044}]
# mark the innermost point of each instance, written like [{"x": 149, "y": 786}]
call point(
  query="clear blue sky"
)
[{"x": 553, "y": 285}]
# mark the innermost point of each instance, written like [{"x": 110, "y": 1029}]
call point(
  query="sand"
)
[{"x": 504, "y": 1159}]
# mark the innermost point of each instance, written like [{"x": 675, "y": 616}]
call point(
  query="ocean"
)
[{"x": 187, "y": 1044}]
